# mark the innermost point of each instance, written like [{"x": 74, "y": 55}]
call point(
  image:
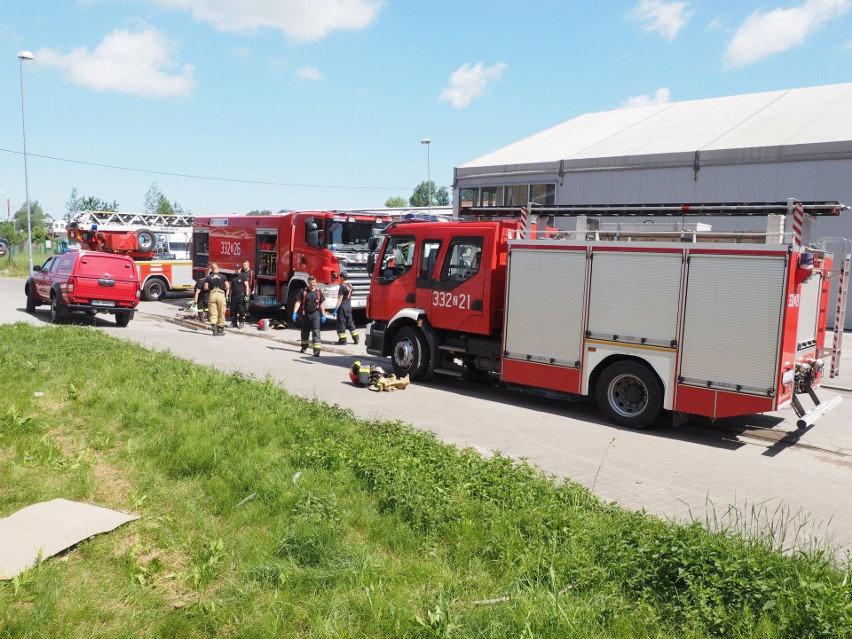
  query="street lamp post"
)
[
  {"x": 428, "y": 142},
  {"x": 26, "y": 55}
]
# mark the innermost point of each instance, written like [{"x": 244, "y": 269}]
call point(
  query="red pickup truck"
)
[{"x": 87, "y": 281}]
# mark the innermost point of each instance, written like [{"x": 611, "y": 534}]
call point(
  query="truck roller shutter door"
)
[
  {"x": 635, "y": 296},
  {"x": 732, "y": 322},
  {"x": 544, "y": 312}
]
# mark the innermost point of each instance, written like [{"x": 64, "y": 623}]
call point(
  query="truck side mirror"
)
[
  {"x": 371, "y": 263},
  {"x": 312, "y": 233},
  {"x": 372, "y": 243}
]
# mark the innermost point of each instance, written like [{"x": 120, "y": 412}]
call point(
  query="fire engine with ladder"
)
[
  {"x": 641, "y": 317},
  {"x": 148, "y": 238}
]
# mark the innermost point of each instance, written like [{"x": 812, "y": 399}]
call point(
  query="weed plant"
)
[{"x": 266, "y": 515}]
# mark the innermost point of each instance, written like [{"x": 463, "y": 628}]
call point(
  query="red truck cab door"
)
[
  {"x": 454, "y": 296},
  {"x": 393, "y": 288},
  {"x": 42, "y": 278}
]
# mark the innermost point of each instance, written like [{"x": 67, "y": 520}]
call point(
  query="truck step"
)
[
  {"x": 447, "y": 371},
  {"x": 450, "y": 347}
]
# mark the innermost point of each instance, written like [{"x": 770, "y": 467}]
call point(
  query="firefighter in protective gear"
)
[
  {"x": 239, "y": 295},
  {"x": 310, "y": 304},
  {"x": 343, "y": 311},
  {"x": 218, "y": 287},
  {"x": 200, "y": 298}
]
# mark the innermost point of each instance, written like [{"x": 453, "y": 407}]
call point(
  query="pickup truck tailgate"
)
[{"x": 109, "y": 280}]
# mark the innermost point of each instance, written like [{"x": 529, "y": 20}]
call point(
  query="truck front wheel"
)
[
  {"x": 32, "y": 300},
  {"x": 629, "y": 394},
  {"x": 154, "y": 290},
  {"x": 410, "y": 355}
]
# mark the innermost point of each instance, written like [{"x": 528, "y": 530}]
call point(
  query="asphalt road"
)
[{"x": 749, "y": 471}]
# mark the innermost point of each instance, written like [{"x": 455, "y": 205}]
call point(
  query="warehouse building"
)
[{"x": 758, "y": 147}]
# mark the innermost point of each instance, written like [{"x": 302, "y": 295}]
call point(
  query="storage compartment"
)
[{"x": 267, "y": 254}]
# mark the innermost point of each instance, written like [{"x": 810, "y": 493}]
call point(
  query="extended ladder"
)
[{"x": 85, "y": 219}]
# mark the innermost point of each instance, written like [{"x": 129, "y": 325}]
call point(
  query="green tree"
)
[
  {"x": 8, "y": 232},
  {"x": 396, "y": 202},
  {"x": 88, "y": 203},
  {"x": 72, "y": 205},
  {"x": 263, "y": 212},
  {"x": 420, "y": 197},
  {"x": 442, "y": 196},
  {"x": 157, "y": 202},
  {"x": 37, "y": 222}
]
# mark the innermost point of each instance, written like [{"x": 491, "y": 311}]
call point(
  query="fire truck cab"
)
[{"x": 284, "y": 249}]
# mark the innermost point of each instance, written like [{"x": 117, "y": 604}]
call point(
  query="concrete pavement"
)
[{"x": 744, "y": 471}]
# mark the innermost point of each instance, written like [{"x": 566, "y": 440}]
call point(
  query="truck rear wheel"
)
[
  {"x": 58, "y": 312},
  {"x": 154, "y": 290},
  {"x": 629, "y": 394},
  {"x": 410, "y": 354},
  {"x": 122, "y": 319}
]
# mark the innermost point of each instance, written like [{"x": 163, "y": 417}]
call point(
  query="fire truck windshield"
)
[{"x": 351, "y": 236}]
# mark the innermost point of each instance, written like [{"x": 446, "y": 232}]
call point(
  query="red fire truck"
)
[
  {"x": 158, "y": 272},
  {"x": 683, "y": 320},
  {"x": 285, "y": 248}
]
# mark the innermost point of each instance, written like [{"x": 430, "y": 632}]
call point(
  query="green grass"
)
[
  {"x": 18, "y": 264},
  {"x": 266, "y": 515}
]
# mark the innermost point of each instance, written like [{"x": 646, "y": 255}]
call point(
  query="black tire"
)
[
  {"x": 58, "y": 311},
  {"x": 629, "y": 394},
  {"x": 32, "y": 301},
  {"x": 154, "y": 290},
  {"x": 145, "y": 241},
  {"x": 410, "y": 353},
  {"x": 122, "y": 319}
]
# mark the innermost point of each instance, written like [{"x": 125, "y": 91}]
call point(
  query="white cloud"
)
[
  {"x": 665, "y": 18},
  {"x": 298, "y": 20},
  {"x": 127, "y": 62},
  {"x": 661, "y": 96},
  {"x": 717, "y": 24},
  {"x": 763, "y": 34},
  {"x": 469, "y": 82},
  {"x": 309, "y": 73},
  {"x": 243, "y": 53}
]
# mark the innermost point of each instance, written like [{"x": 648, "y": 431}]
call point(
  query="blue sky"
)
[{"x": 323, "y": 103}]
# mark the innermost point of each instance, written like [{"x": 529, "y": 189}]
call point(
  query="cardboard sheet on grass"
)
[{"x": 48, "y": 528}]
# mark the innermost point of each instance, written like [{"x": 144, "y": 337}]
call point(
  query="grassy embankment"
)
[
  {"x": 18, "y": 264},
  {"x": 265, "y": 515}
]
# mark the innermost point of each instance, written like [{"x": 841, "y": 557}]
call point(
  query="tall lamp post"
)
[
  {"x": 26, "y": 55},
  {"x": 428, "y": 142}
]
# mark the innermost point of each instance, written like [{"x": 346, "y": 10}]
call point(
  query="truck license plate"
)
[{"x": 103, "y": 303}]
